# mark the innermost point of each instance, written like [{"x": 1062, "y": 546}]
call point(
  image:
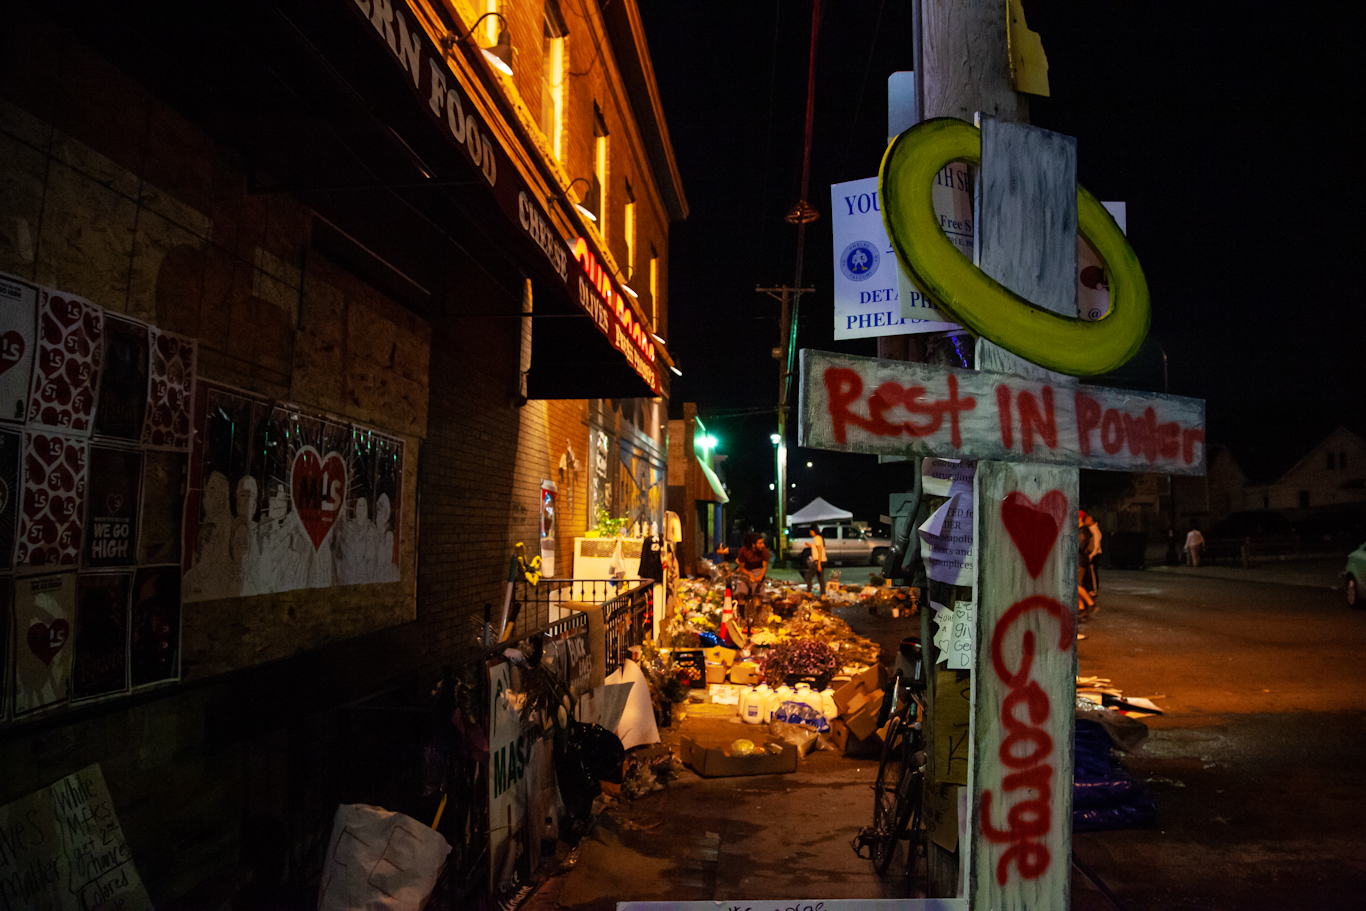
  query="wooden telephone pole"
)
[{"x": 787, "y": 299}]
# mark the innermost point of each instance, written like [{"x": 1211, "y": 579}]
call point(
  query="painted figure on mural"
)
[{"x": 216, "y": 572}]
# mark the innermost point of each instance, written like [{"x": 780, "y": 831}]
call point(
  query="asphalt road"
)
[
  {"x": 1256, "y": 768},
  {"x": 1256, "y": 765}
]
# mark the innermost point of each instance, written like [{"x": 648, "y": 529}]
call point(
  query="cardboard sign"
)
[
  {"x": 63, "y": 850},
  {"x": 861, "y": 404}
]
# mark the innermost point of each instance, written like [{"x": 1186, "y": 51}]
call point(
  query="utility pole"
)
[{"x": 787, "y": 298}]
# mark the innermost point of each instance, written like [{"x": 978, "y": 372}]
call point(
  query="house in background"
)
[
  {"x": 1332, "y": 474},
  {"x": 1322, "y": 492}
]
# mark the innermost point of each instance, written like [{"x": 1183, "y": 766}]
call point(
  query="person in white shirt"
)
[
  {"x": 815, "y": 561},
  {"x": 1195, "y": 544}
]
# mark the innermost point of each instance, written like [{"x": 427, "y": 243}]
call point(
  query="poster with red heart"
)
[
  {"x": 111, "y": 520},
  {"x": 44, "y": 614},
  {"x": 170, "y": 391},
  {"x": 11, "y": 450},
  {"x": 54, "y": 495},
  {"x": 18, "y": 315},
  {"x": 99, "y": 662},
  {"x": 66, "y": 365}
]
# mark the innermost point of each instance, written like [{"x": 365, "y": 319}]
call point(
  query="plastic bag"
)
[
  {"x": 791, "y": 712},
  {"x": 1104, "y": 794},
  {"x": 379, "y": 859}
]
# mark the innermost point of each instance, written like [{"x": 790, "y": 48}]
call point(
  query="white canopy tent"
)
[{"x": 818, "y": 511}]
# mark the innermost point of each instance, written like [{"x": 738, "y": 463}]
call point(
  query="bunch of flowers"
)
[{"x": 802, "y": 657}]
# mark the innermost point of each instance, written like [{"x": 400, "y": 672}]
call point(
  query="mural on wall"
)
[
  {"x": 640, "y": 481},
  {"x": 286, "y": 501}
]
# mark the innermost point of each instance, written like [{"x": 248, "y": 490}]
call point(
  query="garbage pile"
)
[{"x": 1105, "y": 795}]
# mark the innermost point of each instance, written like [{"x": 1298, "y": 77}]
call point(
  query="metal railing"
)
[
  {"x": 624, "y": 619},
  {"x": 541, "y": 604}
]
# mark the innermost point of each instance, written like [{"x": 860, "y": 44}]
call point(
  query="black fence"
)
[
  {"x": 624, "y": 617},
  {"x": 539, "y": 604}
]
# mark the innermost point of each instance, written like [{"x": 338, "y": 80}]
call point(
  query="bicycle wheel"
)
[{"x": 886, "y": 797}]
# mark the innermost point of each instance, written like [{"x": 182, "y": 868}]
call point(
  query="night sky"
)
[{"x": 1230, "y": 133}]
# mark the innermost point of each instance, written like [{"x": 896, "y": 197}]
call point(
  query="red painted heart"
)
[
  {"x": 12, "y": 350},
  {"x": 1034, "y": 526},
  {"x": 45, "y": 640},
  {"x": 318, "y": 486}
]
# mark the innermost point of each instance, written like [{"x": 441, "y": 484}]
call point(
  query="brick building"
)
[{"x": 371, "y": 247}]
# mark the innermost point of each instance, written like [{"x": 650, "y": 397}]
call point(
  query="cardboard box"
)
[
  {"x": 716, "y": 672},
  {"x": 849, "y": 745},
  {"x": 864, "y": 682},
  {"x": 712, "y": 762},
  {"x": 719, "y": 654},
  {"x": 746, "y": 673},
  {"x": 863, "y": 722}
]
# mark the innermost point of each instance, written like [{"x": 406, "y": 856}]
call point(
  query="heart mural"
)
[
  {"x": 45, "y": 640},
  {"x": 1034, "y": 526},
  {"x": 318, "y": 487}
]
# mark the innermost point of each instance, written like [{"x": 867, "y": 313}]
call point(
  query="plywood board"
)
[
  {"x": 1023, "y": 688},
  {"x": 861, "y": 404}
]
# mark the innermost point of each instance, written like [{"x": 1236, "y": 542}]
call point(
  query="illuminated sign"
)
[{"x": 601, "y": 282}]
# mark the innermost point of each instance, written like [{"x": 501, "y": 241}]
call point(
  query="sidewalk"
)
[{"x": 1314, "y": 572}]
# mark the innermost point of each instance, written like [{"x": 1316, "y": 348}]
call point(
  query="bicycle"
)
[{"x": 899, "y": 787}]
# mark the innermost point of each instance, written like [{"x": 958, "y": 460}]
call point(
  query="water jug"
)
[
  {"x": 828, "y": 707},
  {"x": 751, "y": 706}
]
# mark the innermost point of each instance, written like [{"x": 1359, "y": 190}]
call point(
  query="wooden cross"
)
[{"x": 1032, "y": 429}]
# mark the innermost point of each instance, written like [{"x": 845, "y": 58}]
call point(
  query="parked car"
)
[
  {"x": 844, "y": 544},
  {"x": 1354, "y": 575},
  {"x": 1241, "y": 536}
]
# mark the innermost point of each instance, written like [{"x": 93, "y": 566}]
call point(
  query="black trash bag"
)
[
  {"x": 1104, "y": 795},
  {"x": 586, "y": 755}
]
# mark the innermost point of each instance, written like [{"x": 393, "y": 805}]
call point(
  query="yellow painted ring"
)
[{"x": 970, "y": 296}]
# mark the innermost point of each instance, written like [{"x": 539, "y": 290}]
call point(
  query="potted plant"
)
[{"x": 798, "y": 660}]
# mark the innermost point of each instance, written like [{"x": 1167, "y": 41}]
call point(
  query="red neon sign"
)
[{"x": 602, "y": 283}]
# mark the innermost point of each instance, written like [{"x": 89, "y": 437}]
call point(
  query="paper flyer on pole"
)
[{"x": 868, "y": 299}]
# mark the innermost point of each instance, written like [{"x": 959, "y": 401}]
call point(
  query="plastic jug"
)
[
  {"x": 828, "y": 707},
  {"x": 777, "y": 698},
  {"x": 805, "y": 695},
  {"x": 752, "y": 706}
]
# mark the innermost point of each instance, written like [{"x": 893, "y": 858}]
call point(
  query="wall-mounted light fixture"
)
[
  {"x": 582, "y": 210},
  {"x": 499, "y": 55}
]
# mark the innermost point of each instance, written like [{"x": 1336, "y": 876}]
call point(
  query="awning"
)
[
  {"x": 714, "y": 481},
  {"x": 818, "y": 510}
]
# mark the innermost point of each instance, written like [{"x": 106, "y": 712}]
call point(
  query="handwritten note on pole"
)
[{"x": 61, "y": 849}]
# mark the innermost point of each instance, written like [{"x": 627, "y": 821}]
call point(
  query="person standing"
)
[
  {"x": 1195, "y": 544},
  {"x": 815, "y": 560},
  {"x": 751, "y": 569},
  {"x": 1088, "y": 546}
]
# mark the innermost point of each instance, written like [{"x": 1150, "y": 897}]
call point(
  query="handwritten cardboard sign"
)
[
  {"x": 61, "y": 849},
  {"x": 861, "y": 404}
]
